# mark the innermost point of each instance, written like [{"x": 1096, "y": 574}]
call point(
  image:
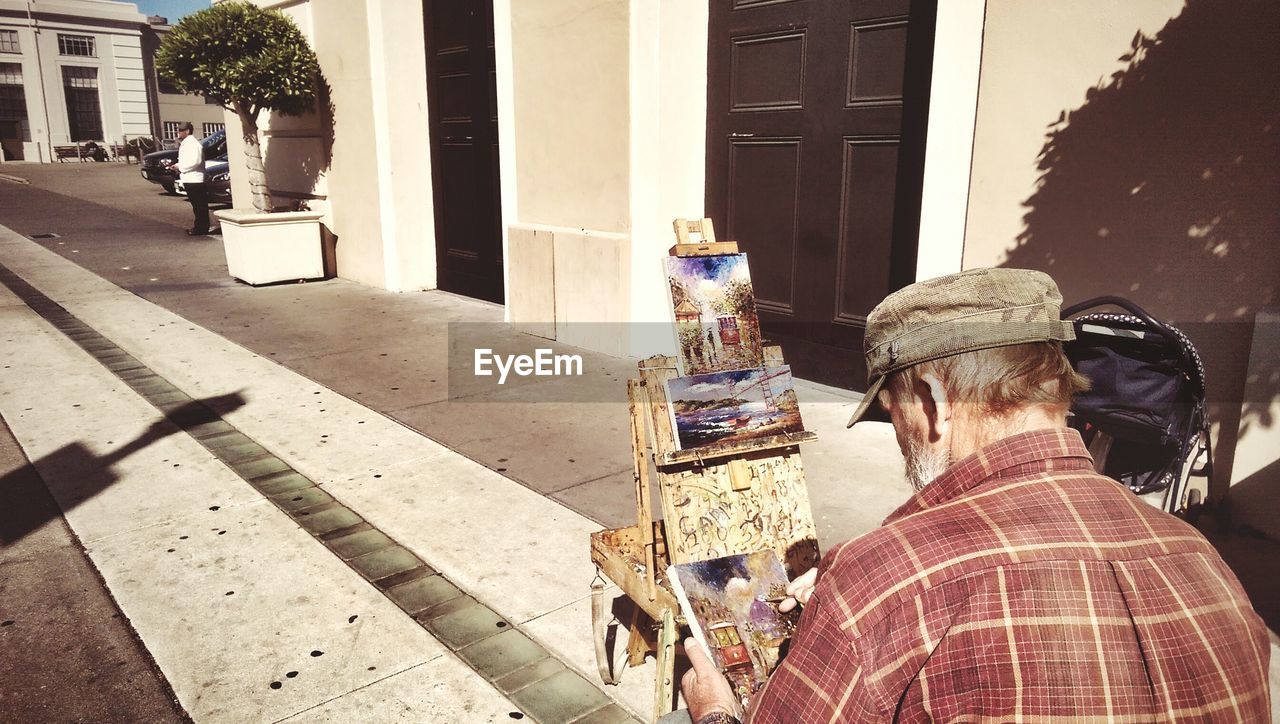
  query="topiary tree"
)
[{"x": 246, "y": 59}]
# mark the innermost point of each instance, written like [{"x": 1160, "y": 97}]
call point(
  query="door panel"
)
[
  {"x": 764, "y": 183},
  {"x": 877, "y": 54},
  {"x": 462, "y": 107},
  {"x": 866, "y": 231},
  {"x": 768, "y": 72},
  {"x": 816, "y": 113}
]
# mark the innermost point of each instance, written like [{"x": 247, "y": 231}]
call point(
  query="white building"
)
[{"x": 70, "y": 71}]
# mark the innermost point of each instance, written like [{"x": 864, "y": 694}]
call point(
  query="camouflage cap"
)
[{"x": 965, "y": 312}]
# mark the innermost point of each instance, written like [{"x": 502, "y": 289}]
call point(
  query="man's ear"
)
[{"x": 932, "y": 397}]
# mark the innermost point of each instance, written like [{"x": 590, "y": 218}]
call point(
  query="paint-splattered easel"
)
[{"x": 716, "y": 501}]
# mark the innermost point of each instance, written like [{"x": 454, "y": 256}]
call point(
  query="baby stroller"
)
[{"x": 1144, "y": 419}]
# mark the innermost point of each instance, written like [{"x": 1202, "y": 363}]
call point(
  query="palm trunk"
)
[{"x": 253, "y": 162}]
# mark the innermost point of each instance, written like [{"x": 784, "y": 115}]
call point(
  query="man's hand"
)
[
  {"x": 799, "y": 590},
  {"x": 705, "y": 688}
]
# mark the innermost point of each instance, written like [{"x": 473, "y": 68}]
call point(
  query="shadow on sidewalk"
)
[{"x": 21, "y": 513}]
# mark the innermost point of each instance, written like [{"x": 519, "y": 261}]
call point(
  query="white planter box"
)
[{"x": 265, "y": 248}]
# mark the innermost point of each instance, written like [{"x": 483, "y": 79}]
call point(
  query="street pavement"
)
[
  {"x": 435, "y": 481},
  {"x": 60, "y": 623}
]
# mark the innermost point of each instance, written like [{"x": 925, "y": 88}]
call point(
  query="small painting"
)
[
  {"x": 716, "y": 324},
  {"x": 731, "y": 606},
  {"x": 732, "y": 407}
]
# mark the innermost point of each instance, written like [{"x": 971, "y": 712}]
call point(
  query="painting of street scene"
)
[
  {"x": 732, "y": 407},
  {"x": 731, "y": 606},
  {"x": 716, "y": 324}
]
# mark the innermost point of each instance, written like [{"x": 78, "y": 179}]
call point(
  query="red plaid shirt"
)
[{"x": 1020, "y": 586}]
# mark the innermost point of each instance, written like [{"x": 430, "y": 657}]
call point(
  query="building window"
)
[
  {"x": 83, "y": 45},
  {"x": 9, "y": 41},
  {"x": 84, "y": 113},
  {"x": 171, "y": 130},
  {"x": 13, "y": 102},
  {"x": 211, "y": 128}
]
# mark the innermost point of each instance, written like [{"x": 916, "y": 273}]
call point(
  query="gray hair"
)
[{"x": 186, "y": 126}]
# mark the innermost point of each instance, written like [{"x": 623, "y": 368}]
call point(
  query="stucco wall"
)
[
  {"x": 1128, "y": 147},
  {"x": 340, "y": 37},
  {"x": 365, "y": 149},
  {"x": 571, "y": 106},
  {"x": 610, "y": 137},
  {"x": 182, "y": 107}
]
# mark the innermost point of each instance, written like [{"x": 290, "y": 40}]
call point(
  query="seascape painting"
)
[
  {"x": 731, "y": 606},
  {"x": 716, "y": 324},
  {"x": 732, "y": 407}
]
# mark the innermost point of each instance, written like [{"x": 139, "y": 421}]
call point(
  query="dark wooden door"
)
[
  {"x": 463, "y": 110},
  {"x": 815, "y": 120}
]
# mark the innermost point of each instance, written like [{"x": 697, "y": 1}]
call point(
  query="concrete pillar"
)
[{"x": 953, "y": 108}]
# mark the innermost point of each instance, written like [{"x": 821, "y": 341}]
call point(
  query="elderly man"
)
[{"x": 1016, "y": 584}]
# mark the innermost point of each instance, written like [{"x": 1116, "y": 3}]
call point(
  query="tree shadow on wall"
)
[{"x": 1164, "y": 187}]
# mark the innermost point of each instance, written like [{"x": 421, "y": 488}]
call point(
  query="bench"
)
[{"x": 66, "y": 153}]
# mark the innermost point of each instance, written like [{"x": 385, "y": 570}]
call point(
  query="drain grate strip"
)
[{"x": 543, "y": 687}]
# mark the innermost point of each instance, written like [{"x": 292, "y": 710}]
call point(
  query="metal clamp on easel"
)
[{"x": 717, "y": 500}]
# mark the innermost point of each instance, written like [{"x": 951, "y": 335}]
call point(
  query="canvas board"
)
[
  {"x": 730, "y": 605},
  {"x": 717, "y": 328},
  {"x": 731, "y": 407}
]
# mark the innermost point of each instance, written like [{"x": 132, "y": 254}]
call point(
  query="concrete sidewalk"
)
[
  {"x": 246, "y": 615},
  {"x": 390, "y": 352},
  {"x": 314, "y": 365}
]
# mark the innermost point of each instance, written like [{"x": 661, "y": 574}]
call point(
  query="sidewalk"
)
[
  {"x": 315, "y": 364},
  {"x": 390, "y": 352}
]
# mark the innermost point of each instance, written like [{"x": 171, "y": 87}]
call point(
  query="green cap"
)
[{"x": 958, "y": 313}]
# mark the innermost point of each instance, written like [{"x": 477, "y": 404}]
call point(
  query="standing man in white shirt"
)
[{"x": 191, "y": 173}]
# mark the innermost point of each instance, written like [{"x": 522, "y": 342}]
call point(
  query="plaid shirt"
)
[{"x": 1021, "y": 586}]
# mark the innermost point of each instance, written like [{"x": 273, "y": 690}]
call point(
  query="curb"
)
[{"x": 14, "y": 179}]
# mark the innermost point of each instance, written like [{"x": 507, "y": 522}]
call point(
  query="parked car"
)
[
  {"x": 156, "y": 165},
  {"x": 217, "y": 179}
]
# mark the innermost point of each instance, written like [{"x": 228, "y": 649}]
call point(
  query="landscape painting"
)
[
  {"x": 731, "y": 407},
  {"x": 731, "y": 606},
  {"x": 716, "y": 324}
]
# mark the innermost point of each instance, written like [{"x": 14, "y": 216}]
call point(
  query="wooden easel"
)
[{"x": 716, "y": 501}]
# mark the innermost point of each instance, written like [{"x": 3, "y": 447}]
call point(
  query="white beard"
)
[{"x": 923, "y": 464}]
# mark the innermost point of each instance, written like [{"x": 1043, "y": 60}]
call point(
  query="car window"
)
[{"x": 217, "y": 139}]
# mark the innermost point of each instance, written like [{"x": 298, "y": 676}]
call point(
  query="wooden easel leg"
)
[
  {"x": 638, "y": 645},
  {"x": 662, "y": 696}
]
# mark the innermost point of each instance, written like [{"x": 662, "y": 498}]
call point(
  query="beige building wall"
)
[
  {"x": 571, "y": 106},
  {"x": 568, "y": 250},
  {"x": 179, "y": 107},
  {"x": 171, "y": 108},
  {"x": 1128, "y": 147},
  {"x": 609, "y": 101},
  {"x": 363, "y": 158}
]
